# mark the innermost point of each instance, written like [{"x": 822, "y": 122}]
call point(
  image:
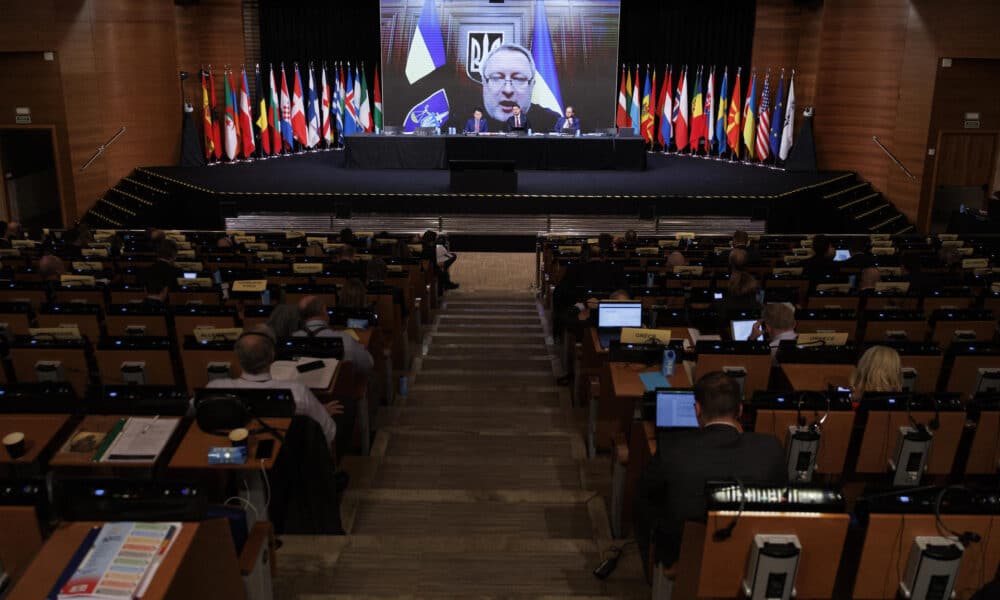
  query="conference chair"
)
[
  {"x": 136, "y": 319},
  {"x": 141, "y": 360},
  {"x": 86, "y": 317},
  {"x": 15, "y": 317},
  {"x": 827, "y": 320},
  {"x": 198, "y": 358},
  {"x": 88, "y": 294},
  {"x": 42, "y": 358},
  {"x": 951, "y": 325},
  {"x": 882, "y": 325},
  {"x": 984, "y": 453},
  {"x": 33, "y": 293},
  {"x": 833, "y": 300},
  {"x": 189, "y": 317},
  {"x": 892, "y": 300},
  {"x": 970, "y": 362},
  {"x": 747, "y": 362},
  {"x": 948, "y": 298},
  {"x": 130, "y": 293},
  {"x": 922, "y": 363}
]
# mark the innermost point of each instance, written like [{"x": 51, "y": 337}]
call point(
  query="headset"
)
[
  {"x": 816, "y": 426},
  {"x": 966, "y": 537},
  {"x": 934, "y": 423}
]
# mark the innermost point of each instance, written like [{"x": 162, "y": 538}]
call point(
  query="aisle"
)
[{"x": 478, "y": 484}]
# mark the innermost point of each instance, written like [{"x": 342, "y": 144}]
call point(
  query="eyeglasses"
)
[{"x": 497, "y": 82}]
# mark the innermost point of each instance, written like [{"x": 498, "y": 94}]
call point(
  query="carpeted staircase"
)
[{"x": 478, "y": 484}]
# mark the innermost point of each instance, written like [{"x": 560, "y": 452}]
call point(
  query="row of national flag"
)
[
  {"x": 694, "y": 114},
  {"x": 285, "y": 118}
]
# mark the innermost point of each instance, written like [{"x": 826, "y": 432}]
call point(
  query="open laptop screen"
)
[
  {"x": 675, "y": 409},
  {"x": 842, "y": 255},
  {"x": 741, "y": 330},
  {"x": 619, "y": 314}
]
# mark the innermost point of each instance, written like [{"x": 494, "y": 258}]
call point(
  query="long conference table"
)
[{"x": 538, "y": 152}]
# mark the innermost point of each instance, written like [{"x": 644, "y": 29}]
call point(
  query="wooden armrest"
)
[
  {"x": 260, "y": 534},
  {"x": 620, "y": 443}
]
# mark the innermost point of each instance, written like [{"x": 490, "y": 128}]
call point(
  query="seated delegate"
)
[
  {"x": 568, "y": 123},
  {"x": 477, "y": 124}
]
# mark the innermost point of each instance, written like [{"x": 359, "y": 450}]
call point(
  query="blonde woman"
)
[{"x": 879, "y": 370}]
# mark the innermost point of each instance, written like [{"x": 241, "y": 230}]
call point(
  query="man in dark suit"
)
[
  {"x": 672, "y": 490},
  {"x": 477, "y": 124},
  {"x": 518, "y": 122},
  {"x": 164, "y": 268},
  {"x": 820, "y": 266},
  {"x": 568, "y": 123}
]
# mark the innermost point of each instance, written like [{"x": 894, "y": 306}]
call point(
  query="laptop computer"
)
[
  {"x": 675, "y": 409},
  {"x": 612, "y": 316},
  {"x": 742, "y": 329}
]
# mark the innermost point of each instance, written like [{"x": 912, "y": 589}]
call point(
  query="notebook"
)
[{"x": 141, "y": 439}]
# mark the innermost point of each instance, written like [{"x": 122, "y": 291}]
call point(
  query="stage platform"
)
[{"x": 318, "y": 183}]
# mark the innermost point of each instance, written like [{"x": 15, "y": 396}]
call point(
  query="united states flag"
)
[{"x": 764, "y": 120}]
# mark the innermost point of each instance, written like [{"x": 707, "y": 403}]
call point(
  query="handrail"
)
[
  {"x": 893, "y": 157},
  {"x": 100, "y": 149}
]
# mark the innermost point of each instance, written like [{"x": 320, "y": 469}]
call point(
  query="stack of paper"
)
[{"x": 137, "y": 439}]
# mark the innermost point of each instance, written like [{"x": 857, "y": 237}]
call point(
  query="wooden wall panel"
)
[{"x": 209, "y": 33}]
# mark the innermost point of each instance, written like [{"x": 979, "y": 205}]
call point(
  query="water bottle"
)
[
  {"x": 667, "y": 367},
  {"x": 529, "y": 131},
  {"x": 577, "y": 134},
  {"x": 437, "y": 131},
  {"x": 650, "y": 275}
]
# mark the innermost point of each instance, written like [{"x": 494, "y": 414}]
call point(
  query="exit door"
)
[
  {"x": 965, "y": 163},
  {"x": 30, "y": 179}
]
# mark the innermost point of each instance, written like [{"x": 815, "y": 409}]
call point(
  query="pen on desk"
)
[{"x": 150, "y": 424}]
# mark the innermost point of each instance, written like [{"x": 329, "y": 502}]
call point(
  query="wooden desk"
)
[
  {"x": 890, "y": 537},
  {"x": 626, "y": 383},
  {"x": 711, "y": 569},
  {"x": 21, "y": 540},
  {"x": 882, "y": 428},
  {"x": 200, "y": 564},
  {"x": 836, "y": 434},
  {"x": 85, "y": 460},
  {"x": 41, "y": 433},
  {"x": 985, "y": 452},
  {"x": 804, "y": 376},
  {"x": 192, "y": 453}
]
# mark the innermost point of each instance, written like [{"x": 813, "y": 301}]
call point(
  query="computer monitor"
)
[
  {"x": 619, "y": 314},
  {"x": 675, "y": 409},
  {"x": 842, "y": 255},
  {"x": 742, "y": 329}
]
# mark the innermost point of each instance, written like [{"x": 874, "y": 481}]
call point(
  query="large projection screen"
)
[{"x": 443, "y": 58}]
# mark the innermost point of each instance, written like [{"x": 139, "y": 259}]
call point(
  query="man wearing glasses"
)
[{"x": 508, "y": 82}]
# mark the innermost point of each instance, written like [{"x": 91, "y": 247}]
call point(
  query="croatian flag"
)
[
  {"x": 426, "y": 47},
  {"x": 546, "y": 93},
  {"x": 432, "y": 111}
]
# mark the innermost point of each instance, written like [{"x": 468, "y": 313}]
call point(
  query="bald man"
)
[
  {"x": 255, "y": 353},
  {"x": 316, "y": 323}
]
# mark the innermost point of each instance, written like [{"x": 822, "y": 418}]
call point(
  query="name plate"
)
[
  {"x": 177, "y": 237},
  {"x": 879, "y": 236},
  {"x": 637, "y": 335},
  {"x": 825, "y": 339},
  {"x": 975, "y": 263},
  {"x": 63, "y": 332},
  {"x": 362, "y": 234},
  {"x": 22, "y": 243},
  {"x": 787, "y": 271},
  {"x": 270, "y": 255},
  {"x": 316, "y": 239},
  {"x": 385, "y": 242},
  {"x": 250, "y": 285},
  {"x": 807, "y": 243},
  {"x": 688, "y": 270},
  {"x": 77, "y": 280},
  {"x": 964, "y": 251},
  {"x": 684, "y": 235},
  {"x": 215, "y": 334},
  {"x": 80, "y": 265},
  {"x": 890, "y": 271},
  {"x": 952, "y": 244},
  {"x": 947, "y": 237},
  {"x": 803, "y": 252},
  {"x": 185, "y": 254},
  {"x": 195, "y": 282},
  {"x": 307, "y": 268},
  {"x": 10, "y": 252},
  {"x": 183, "y": 246},
  {"x": 256, "y": 246},
  {"x": 189, "y": 266},
  {"x": 294, "y": 235},
  {"x": 394, "y": 268},
  {"x": 233, "y": 232},
  {"x": 243, "y": 239},
  {"x": 886, "y": 243},
  {"x": 899, "y": 287},
  {"x": 791, "y": 260},
  {"x": 569, "y": 249},
  {"x": 89, "y": 252},
  {"x": 668, "y": 243},
  {"x": 995, "y": 287},
  {"x": 883, "y": 250},
  {"x": 333, "y": 246},
  {"x": 416, "y": 248},
  {"x": 648, "y": 251}
]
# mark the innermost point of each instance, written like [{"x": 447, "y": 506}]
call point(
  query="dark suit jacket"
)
[
  {"x": 575, "y": 126},
  {"x": 596, "y": 275},
  {"x": 470, "y": 125},
  {"x": 163, "y": 271},
  {"x": 525, "y": 123},
  {"x": 672, "y": 490}
]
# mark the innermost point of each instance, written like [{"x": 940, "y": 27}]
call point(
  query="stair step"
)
[
  {"x": 488, "y": 330},
  {"x": 507, "y": 473},
  {"x": 445, "y": 351},
  {"x": 478, "y": 418},
  {"x": 534, "y": 339},
  {"x": 498, "y": 363},
  {"x": 443, "y": 396},
  {"x": 485, "y": 380},
  {"x": 856, "y": 201},
  {"x": 485, "y": 566},
  {"x": 433, "y": 443},
  {"x": 398, "y": 517},
  {"x": 846, "y": 190}
]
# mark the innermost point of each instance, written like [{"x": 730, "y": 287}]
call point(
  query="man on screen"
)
[
  {"x": 569, "y": 123},
  {"x": 509, "y": 80},
  {"x": 518, "y": 122},
  {"x": 477, "y": 124}
]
